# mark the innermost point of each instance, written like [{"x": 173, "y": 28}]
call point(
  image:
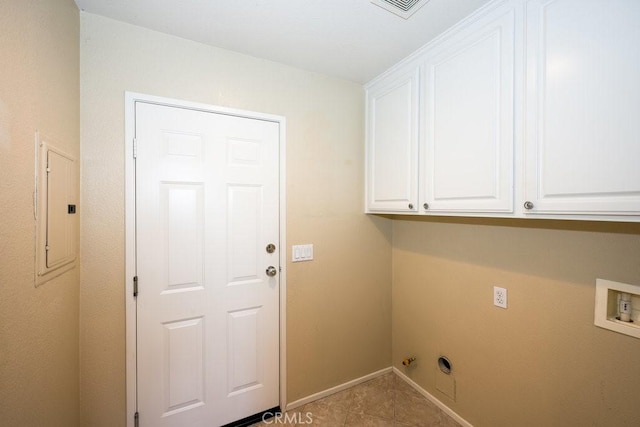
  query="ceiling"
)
[{"x": 350, "y": 39}]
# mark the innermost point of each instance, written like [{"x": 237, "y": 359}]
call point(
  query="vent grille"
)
[
  {"x": 402, "y": 8},
  {"x": 403, "y": 5}
]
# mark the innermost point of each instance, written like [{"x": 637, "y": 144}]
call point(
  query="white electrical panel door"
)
[
  {"x": 467, "y": 138},
  {"x": 56, "y": 218},
  {"x": 582, "y": 103},
  {"x": 60, "y": 220},
  {"x": 392, "y": 144}
]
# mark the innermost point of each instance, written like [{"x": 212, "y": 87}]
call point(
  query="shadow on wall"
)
[{"x": 576, "y": 251}]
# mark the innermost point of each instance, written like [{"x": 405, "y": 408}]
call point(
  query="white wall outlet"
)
[
  {"x": 301, "y": 253},
  {"x": 499, "y": 297}
]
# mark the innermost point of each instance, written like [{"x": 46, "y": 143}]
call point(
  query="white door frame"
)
[{"x": 130, "y": 239}]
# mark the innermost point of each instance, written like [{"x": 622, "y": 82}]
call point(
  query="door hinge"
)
[
  {"x": 136, "y": 419},
  {"x": 135, "y": 148},
  {"x": 135, "y": 286}
]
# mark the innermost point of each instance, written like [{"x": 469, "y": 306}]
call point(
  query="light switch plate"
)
[{"x": 301, "y": 253}]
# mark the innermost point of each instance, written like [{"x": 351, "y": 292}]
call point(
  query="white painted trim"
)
[
  {"x": 283, "y": 261},
  {"x": 130, "y": 260},
  {"x": 433, "y": 399},
  {"x": 301, "y": 402},
  {"x": 130, "y": 257}
]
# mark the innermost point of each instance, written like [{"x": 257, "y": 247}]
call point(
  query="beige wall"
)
[
  {"x": 39, "y": 89},
  {"x": 338, "y": 306},
  {"x": 541, "y": 362}
]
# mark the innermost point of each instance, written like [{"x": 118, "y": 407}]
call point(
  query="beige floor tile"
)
[
  {"x": 325, "y": 415},
  {"x": 402, "y": 385},
  {"x": 416, "y": 411},
  {"x": 340, "y": 401},
  {"x": 386, "y": 401},
  {"x": 376, "y": 401},
  {"x": 447, "y": 421},
  {"x": 363, "y": 420}
]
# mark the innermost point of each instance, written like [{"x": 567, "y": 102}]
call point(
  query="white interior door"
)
[{"x": 207, "y": 311}]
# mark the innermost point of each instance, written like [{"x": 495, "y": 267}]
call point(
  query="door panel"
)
[
  {"x": 183, "y": 377},
  {"x": 184, "y": 225},
  {"x": 392, "y": 144},
  {"x": 207, "y": 313},
  {"x": 467, "y": 143},
  {"x": 582, "y": 98},
  {"x": 243, "y": 355},
  {"x": 245, "y": 213}
]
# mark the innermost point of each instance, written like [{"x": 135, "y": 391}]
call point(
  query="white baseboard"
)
[
  {"x": 301, "y": 402},
  {"x": 433, "y": 399}
]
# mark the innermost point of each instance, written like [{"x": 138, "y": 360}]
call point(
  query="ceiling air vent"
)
[{"x": 402, "y": 8}]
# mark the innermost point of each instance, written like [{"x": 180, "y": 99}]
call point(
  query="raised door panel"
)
[
  {"x": 583, "y": 104},
  {"x": 392, "y": 144},
  {"x": 183, "y": 371},
  {"x": 467, "y": 138}
]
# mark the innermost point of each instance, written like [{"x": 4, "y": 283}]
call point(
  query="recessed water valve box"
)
[{"x": 618, "y": 307}]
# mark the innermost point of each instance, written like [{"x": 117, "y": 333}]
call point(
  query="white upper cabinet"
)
[
  {"x": 582, "y": 128},
  {"x": 467, "y": 120},
  {"x": 392, "y": 149},
  {"x": 526, "y": 108}
]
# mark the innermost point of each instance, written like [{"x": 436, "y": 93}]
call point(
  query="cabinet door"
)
[
  {"x": 392, "y": 144},
  {"x": 467, "y": 138},
  {"x": 583, "y": 107}
]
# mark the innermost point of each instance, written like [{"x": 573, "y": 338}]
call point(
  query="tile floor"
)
[{"x": 386, "y": 401}]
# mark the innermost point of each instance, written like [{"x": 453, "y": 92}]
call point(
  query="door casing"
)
[{"x": 130, "y": 233}]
